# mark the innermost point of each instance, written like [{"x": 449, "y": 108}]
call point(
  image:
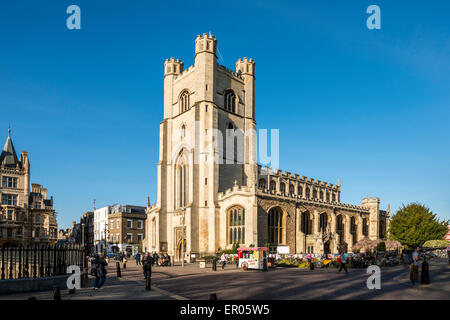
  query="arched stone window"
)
[
  {"x": 291, "y": 189},
  {"x": 283, "y": 188},
  {"x": 353, "y": 229},
  {"x": 182, "y": 176},
  {"x": 340, "y": 228},
  {"x": 365, "y": 226},
  {"x": 314, "y": 194},
  {"x": 306, "y": 224},
  {"x": 262, "y": 183},
  {"x": 334, "y": 198},
  {"x": 153, "y": 232},
  {"x": 327, "y": 196},
  {"x": 229, "y": 100},
  {"x": 183, "y": 131},
  {"x": 236, "y": 225},
  {"x": 382, "y": 227},
  {"x": 323, "y": 222},
  {"x": 277, "y": 226},
  {"x": 321, "y": 195},
  {"x": 308, "y": 193},
  {"x": 300, "y": 192},
  {"x": 273, "y": 186},
  {"x": 184, "y": 101}
]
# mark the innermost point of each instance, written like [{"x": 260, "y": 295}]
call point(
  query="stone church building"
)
[{"x": 216, "y": 191}]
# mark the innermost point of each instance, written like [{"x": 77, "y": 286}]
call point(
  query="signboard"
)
[{"x": 283, "y": 249}]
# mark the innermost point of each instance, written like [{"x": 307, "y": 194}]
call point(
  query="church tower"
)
[{"x": 207, "y": 145}]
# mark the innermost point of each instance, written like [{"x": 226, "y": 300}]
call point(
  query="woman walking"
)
[
  {"x": 414, "y": 267},
  {"x": 98, "y": 269}
]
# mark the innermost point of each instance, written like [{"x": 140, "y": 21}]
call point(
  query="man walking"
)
[
  {"x": 138, "y": 258},
  {"x": 223, "y": 260},
  {"x": 147, "y": 262},
  {"x": 343, "y": 262}
]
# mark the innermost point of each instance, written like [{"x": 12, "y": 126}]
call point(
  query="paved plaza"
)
[{"x": 191, "y": 282}]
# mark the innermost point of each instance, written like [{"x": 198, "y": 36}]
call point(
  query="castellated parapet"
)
[
  {"x": 205, "y": 43},
  {"x": 172, "y": 66},
  {"x": 245, "y": 66}
]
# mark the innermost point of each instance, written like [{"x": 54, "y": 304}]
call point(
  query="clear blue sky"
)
[{"x": 370, "y": 107}]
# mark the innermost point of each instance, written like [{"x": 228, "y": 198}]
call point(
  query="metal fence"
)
[{"x": 40, "y": 260}]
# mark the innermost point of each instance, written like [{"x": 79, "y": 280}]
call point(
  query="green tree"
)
[{"x": 414, "y": 224}]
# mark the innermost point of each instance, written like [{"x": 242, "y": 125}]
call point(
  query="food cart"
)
[{"x": 253, "y": 258}]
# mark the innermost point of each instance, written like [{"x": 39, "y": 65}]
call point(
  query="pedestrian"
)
[
  {"x": 147, "y": 262},
  {"x": 425, "y": 275},
  {"x": 223, "y": 260},
  {"x": 98, "y": 269},
  {"x": 343, "y": 262},
  {"x": 138, "y": 258},
  {"x": 414, "y": 267},
  {"x": 124, "y": 262},
  {"x": 155, "y": 258},
  {"x": 448, "y": 254}
]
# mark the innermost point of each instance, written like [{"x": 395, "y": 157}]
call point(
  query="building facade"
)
[
  {"x": 126, "y": 228},
  {"x": 27, "y": 216},
  {"x": 101, "y": 228},
  {"x": 211, "y": 191}
]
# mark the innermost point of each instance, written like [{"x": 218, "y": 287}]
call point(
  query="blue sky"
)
[{"x": 370, "y": 107}]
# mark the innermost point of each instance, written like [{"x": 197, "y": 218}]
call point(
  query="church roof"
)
[{"x": 9, "y": 157}]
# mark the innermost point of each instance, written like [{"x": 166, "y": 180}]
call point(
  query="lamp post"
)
[{"x": 182, "y": 238}]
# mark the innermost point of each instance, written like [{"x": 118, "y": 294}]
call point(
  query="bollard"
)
[
  {"x": 214, "y": 264},
  {"x": 213, "y": 296},
  {"x": 56, "y": 293},
  {"x": 118, "y": 269}
]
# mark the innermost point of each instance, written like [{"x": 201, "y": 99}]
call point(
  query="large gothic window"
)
[
  {"x": 306, "y": 224},
  {"x": 182, "y": 178},
  {"x": 365, "y": 227},
  {"x": 340, "y": 228},
  {"x": 229, "y": 102},
  {"x": 323, "y": 223},
  {"x": 184, "y": 101},
  {"x": 353, "y": 229},
  {"x": 236, "y": 225},
  {"x": 381, "y": 233},
  {"x": 277, "y": 226}
]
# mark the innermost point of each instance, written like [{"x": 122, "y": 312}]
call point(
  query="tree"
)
[{"x": 414, "y": 224}]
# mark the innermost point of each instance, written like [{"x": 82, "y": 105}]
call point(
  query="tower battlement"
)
[
  {"x": 245, "y": 66},
  {"x": 172, "y": 66},
  {"x": 205, "y": 43}
]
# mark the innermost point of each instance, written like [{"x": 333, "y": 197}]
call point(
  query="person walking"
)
[
  {"x": 448, "y": 254},
  {"x": 414, "y": 267},
  {"x": 98, "y": 265},
  {"x": 223, "y": 260},
  {"x": 138, "y": 258},
  {"x": 155, "y": 259},
  {"x": 425, "y": 275},
  {"x": 124, "y": 262},
  {"x": 343, "y": 262},
  {"x": 147, "y": 262}
]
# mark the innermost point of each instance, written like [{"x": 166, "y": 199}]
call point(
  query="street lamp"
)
[{"x": 182, "y": 238}]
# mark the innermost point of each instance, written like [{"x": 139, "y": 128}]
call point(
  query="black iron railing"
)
[{"x": 18, "y": 262}]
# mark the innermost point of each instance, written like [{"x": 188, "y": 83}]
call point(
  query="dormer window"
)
[{"x": 229, "y": 102}]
